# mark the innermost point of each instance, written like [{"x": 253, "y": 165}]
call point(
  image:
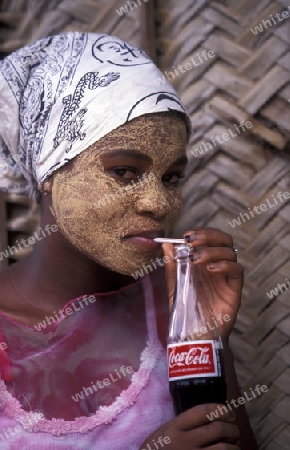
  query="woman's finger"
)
[
  {"x": 200, "y": 415},
  {"x": 222, "y": 446},
  {"x": 233, "y": 270},
  {"x": 212, "y": 254},
  {"x": 208, "y": 236},
  {"x": 216, "y": 431}
]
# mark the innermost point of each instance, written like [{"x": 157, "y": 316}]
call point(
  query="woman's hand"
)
[
  {"x": 193, "y": 430},
  {"x": 213, "y": 249}
]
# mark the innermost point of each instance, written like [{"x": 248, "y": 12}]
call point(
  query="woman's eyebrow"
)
[
  {"x": 129, "y": 153},
  {"x": 183, "y": 160},
  {"x": 180, "y": 161}
]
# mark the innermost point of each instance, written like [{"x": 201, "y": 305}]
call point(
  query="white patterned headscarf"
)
[{"x": 63, "y": 93}]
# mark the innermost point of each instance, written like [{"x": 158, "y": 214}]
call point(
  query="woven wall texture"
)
[{"x": 239, "y": 74}]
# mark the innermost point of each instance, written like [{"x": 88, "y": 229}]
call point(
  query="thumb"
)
[{"x": 170, "y": 271}]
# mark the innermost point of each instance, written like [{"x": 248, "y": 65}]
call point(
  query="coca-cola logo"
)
[
  {"x": 192, "y": 359},
  {"x": 195, "y": 355}
]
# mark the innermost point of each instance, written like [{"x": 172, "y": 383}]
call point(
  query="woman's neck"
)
[{"x": 55, "y": 273}]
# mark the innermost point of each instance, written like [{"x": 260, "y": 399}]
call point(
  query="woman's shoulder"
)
[{"x": 8, "y": 297}]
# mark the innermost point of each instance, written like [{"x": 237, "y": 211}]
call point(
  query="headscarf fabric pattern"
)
[{"x": 63, "y": 93}]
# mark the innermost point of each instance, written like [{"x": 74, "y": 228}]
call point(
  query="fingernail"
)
[
  {"x": 194, "y": 257},
  {"x": 233, "y": 416},
  {"x": 211, "y": 266},
  {"x": 190, "y": 237}
]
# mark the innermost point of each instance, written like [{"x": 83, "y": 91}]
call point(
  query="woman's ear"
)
[{"x": 46, "y": 186}]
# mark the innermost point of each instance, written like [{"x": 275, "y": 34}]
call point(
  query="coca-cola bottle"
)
[{"x": 195, "y": 351}]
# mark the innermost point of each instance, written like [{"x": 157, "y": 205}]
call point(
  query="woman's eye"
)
[
  {"x": 126, "y": 172},
  {"x": 172, "y": 178}
]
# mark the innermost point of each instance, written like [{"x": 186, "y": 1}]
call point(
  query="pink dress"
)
[{"x": 94, "y": 379}]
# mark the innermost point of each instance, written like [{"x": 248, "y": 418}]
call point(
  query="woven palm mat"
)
[
  {"x": 22, "y": 22},
  {"x": 246, "y": 80}
]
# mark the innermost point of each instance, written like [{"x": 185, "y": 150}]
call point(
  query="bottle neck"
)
[
  {"x": 192, "y": 317},
  {"x": 182, "y": 267}
]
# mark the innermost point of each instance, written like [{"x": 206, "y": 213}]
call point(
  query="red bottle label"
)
[{"x": 192, "y": 359}]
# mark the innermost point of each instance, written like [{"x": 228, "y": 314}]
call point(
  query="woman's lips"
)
[{"x": 143, "y": 242}]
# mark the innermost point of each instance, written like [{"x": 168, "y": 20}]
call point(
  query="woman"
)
[{"x": 103, "y": 151}]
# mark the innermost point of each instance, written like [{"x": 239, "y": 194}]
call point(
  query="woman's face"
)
[{"x": 115, "y": 197}]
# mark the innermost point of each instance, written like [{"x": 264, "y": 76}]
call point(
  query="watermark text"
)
[
  {"x": 195, "y": 61},
  {"x": 221, "y": 410},
  {"x": 270, "y": 22},
  {"x": 96, "y": 386},
  {"x": 206, "y": 146},
  {"x": 257, "y": 210}
]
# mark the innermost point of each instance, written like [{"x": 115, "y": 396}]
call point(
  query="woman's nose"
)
[{"x": 153, "y": 201}]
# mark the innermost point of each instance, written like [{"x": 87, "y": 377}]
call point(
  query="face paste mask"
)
[{"x": 95, "y": 208}]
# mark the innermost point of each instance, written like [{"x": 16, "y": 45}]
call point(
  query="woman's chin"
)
[{"x": 135, "y": 264}]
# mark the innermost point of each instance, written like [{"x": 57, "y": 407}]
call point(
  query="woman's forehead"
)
[{"x": 155, "y": 135}]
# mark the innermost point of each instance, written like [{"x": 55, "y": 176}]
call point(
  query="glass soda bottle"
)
[{"x": 194, "y": 348}]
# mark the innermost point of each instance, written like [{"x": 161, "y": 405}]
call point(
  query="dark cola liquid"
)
[{"x": 196, "y": 391}]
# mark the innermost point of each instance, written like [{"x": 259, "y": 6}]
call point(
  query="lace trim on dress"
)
[{"x": 35, "y": 422}]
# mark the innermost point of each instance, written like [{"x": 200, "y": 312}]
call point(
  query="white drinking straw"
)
[{"x": 170, "y": 241}]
